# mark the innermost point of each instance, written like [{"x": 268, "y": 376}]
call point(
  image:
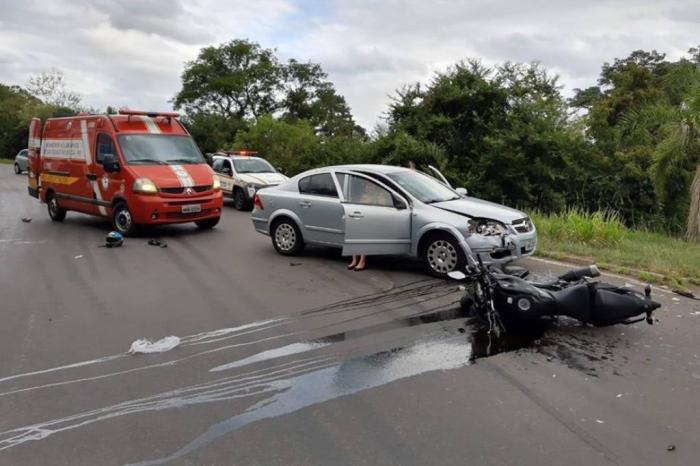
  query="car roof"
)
[{"x": 384, "y": 169}]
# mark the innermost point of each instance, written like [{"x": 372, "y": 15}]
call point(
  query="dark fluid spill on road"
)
[{"x": 454, "y": 347}]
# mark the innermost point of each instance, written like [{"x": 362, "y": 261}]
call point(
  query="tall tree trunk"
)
[{"x": 694, "y": 213}]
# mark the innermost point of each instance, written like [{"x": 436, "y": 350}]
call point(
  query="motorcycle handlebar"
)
[{"x": 577, "y": 274}]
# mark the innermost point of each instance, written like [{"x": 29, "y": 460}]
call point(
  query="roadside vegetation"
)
[
  {"x": 628, "y": 144},
  {"x": 600, "y": 237}
]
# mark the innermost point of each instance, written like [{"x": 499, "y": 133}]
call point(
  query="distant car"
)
[
  {"x": 381, "y": 209},
  {"x": 241, "y": 176},
  {"x": 21, "y": 161}
]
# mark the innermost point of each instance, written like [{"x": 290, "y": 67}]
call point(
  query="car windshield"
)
[
  {"x": 423, "y": 187},
  {"x": 252, "y": 165},
  {"x": 162, "y": 149}
]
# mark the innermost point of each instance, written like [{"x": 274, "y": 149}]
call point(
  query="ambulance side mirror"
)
[{"x": 110, "y": 164}]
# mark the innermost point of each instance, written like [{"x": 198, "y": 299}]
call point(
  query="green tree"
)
[
  {"x": 240, "y": 80},
  {"x": 291, "y": 146},
  {"x": 501, "y": 132},
  {"x": 676, "y": 133}
]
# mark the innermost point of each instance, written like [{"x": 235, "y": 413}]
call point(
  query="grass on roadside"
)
[
  {"x": 7, "y": 161},
  {"x": 601, "y": 237}
]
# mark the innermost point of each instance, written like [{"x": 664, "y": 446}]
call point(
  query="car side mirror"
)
[
  {"x": 399, "y": 203},
  {"x": 461, "y": 191},
  {"x": 110, "y": 164}
]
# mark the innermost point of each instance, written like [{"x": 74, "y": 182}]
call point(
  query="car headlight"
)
[
  {"x": 482, "y": 226},
  {"x": 145, "y": 186},
  {"x": 216, "y": 184}
]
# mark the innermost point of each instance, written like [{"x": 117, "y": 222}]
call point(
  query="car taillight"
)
[{"x": 257, "y": 202}]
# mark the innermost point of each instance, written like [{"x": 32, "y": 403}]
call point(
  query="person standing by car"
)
[
  {"x": 371, "y": 195},
  {"x": 358, "y": 263}
]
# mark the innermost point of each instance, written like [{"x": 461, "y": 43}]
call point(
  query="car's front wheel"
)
[
  {"x": 442, "y": 254},
  {"x": 286, "y": 237},
  {"x": 122, "y": 219},
  {"x": 17, "y": 169},
  {"x": 239, "y": 200}
]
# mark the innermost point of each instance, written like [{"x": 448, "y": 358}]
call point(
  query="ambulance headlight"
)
[
  {"x": 216, "y": 184},
  {"x": 145, "y": 186}
]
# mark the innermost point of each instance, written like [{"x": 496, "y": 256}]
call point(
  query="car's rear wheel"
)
[
  {"x": 17, "y": 169},
  {"x": 122, "y": 219},
  {"x": 239, "y": 200},
  {"x": 442, "y": 255},
  {"x": 207, "y": 224},
  {"x": 56, "y": 212},
  {"x": 286, "y": 237}
]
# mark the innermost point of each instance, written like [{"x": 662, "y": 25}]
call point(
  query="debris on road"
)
[
  {"x": 79, "y": 256},
  {"x": 670, "y": 448},
  {"x": 144, "y": 345},
  {"x": 26, "y": 219},
  {"x": 687, "y": 294},
  {"x": 158, "y": 242},
  {"x": 294, "y": 264}
]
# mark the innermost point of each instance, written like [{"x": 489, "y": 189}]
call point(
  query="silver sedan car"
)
[
  {"x": 382, "y": 209},
  {"x": 20, "y": 164}
]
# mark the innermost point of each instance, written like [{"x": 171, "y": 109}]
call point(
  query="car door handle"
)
[
  {"x": 305, "y": 204},
  {"x": 356, "y": 215}
]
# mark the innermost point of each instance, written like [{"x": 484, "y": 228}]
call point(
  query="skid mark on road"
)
[{"x": 335, "y": 350}]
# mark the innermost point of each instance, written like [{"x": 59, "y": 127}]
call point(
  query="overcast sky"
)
[{"x": 132, "y": 52}]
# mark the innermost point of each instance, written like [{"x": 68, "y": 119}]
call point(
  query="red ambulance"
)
[{"x": 136, "y": 168}]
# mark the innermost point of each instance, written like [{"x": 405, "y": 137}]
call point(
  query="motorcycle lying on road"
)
[{"x": 506, "y": 299}]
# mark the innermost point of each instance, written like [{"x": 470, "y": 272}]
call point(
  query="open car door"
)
[
  {"x": 440, "y": 176},
  {"x": 377, "y": 220}
]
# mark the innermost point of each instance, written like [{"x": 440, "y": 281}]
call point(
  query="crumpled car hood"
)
[{"x": 474, "y": 207}]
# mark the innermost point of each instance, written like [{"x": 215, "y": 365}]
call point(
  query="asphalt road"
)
[{"x": 299, "y": 361}]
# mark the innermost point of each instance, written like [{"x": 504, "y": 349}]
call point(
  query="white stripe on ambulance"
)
[
  {"x": 151, "y": 125},
  {"x": 183, "y": 176}
]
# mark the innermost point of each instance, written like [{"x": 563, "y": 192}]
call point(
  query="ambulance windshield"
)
[{"x": 159, "y": 149}]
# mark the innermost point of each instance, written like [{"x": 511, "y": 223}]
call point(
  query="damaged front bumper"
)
[{"x": 500, "y": 249}]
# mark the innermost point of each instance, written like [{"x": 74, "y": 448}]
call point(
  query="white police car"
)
[{"x": 241, "y": 174}]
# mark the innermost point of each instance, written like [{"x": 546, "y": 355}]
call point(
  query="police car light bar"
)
[{"x": 244, "y": 153}]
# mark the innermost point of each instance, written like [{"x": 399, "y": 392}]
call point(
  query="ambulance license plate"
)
[{"x": 191, "y": 208}]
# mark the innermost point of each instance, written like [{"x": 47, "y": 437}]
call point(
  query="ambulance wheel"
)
[
  {"x": 18, "y": 170},
  {"x": 286, "y": 237},
  {"x": 122, "y": 219},
  {"x": 56, "y": 213},
  {"x": 239, "y": 200},
  {"x": 207, "y": 224}
]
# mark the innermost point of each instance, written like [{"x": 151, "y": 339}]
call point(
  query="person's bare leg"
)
[
  {"x": 355, "y": 260},
  {"x": 361, "y": 264}
]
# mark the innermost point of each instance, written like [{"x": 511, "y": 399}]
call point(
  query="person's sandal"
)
[
  {"x": 357, "y": 269},
  {"x": 351, "y": 266}
]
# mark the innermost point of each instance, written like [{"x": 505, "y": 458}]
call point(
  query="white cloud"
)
[{"x": 132, "y": 52}]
